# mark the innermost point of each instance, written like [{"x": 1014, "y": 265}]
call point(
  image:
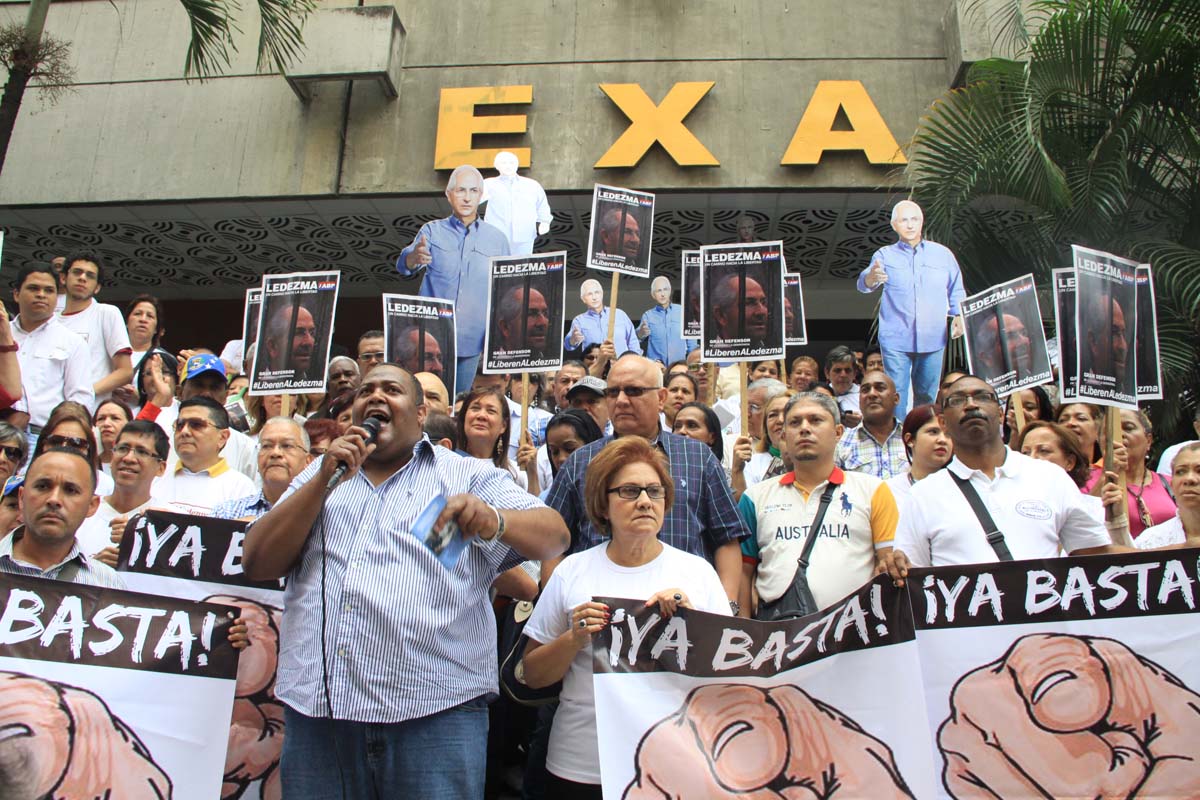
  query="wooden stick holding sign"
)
[
  {"x": 742, "y": 370},
  {"x": 612, "y": 305},
  {"x": 1112, "y": 429},
  {"x": 285, "y": 406},
  {"x": 710, "y": 393},
  {"x": 1018, "y": 414},
  {"x": 524, "y": 436}
]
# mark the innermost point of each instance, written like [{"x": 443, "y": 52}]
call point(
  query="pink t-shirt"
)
[{"x": 1155, "y": 497}]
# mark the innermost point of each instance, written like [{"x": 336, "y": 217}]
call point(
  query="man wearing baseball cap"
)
[
  {"x": 203, "y": 376},
  {"x": 588, "y": 394}
]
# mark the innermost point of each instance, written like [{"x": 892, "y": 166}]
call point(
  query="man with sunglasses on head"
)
[
  {"x": 139, "y": 458},
  {"x": 1034, "y": 504},
  {"x": 202, "y": 478},
  {"x": 703, "y": 519}
]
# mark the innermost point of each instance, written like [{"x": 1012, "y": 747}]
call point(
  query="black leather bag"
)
[
  {"x": 798, "y": 600},
  {"x": 512, "y": 668}
]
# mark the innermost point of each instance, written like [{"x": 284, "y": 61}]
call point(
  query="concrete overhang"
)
[{"x": 358, "y": 43}]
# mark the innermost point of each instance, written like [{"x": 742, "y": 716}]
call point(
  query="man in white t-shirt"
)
[
  {"x": 1034, "y": 504},
  {"x": 139, "y": 458},
  {"x": 201, "y": 479},
  {"x": 98, "y": 324}
]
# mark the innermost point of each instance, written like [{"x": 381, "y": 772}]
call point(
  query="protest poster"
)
[
  {"x": 418, "y": 334},
  {"x": 1005, "y": 342},
  {"x": 621, "y": 230},
  {"x": 1071, "y": 677},
  {"x": 526, "y": 307},
  {"x": 111, "y": 693},
  {"x": 1105, "y": 323},
  {"x": 1064, "y": 324},
  {"x": 295, "y": 329},
  {"x": 708, "y": 706},
  {"x": 250, "y": 312},
  {"x": 200, "y": 558},
  {"x": 1149, "y": 370},
  {"x": 689, "y": 290},
  {"x": 795, "y": 329},
  {"x": 741, "y": 301}
]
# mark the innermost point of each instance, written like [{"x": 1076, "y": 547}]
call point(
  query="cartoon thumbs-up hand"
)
[
  {"x": 420, "y": 255},
  {"x": 576, "y": 336}
]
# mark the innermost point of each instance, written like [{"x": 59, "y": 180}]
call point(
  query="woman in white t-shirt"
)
[
  {"x": 628, "y": 490},
  {"x": 1182, "y": 530}
]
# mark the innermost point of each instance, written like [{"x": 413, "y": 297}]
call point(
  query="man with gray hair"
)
[
  {"x": 282, "y": 455},
  {"x": 922, "y": 286},
  {"x": 453, "y": 256},
  {"x": 343, "y": 375},
  {"x": 592, "y": 325},
  {"x": 662, "y": 326}
]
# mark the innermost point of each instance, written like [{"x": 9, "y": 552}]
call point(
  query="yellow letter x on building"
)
[{"x": 662, "y": 123}]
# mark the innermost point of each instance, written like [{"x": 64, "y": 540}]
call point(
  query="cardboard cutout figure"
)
[
  {"x": 516, "y": 205},
  {"x": 592, "y": 325},
  {"x": 662, "y": 325}
]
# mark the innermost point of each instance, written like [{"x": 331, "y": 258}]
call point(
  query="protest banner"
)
[
  {"x": 621, "y": 231},
  {"x": 1005, "y": 342},
  {"x": 1064, "y": 324},
  {"x": 1105, "y": 322},
  {"x": 111, "y": 693},
  {"x": 526, "y": 307},
  {"x": 295, "y": 329},
  {"x": 1149, "y": 370},
  {"x": 418, "y": 334},
  {"x": 795, "y": 327},
  {"x": 741, "y": 301},
  {"x": 251, "y": 309},
  {"x": 689, "y": 290},
  {"x": 1071, "y": 677},
  {"x": 200, "y": 558}
]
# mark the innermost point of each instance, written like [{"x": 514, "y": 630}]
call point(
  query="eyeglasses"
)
[
  {"x": 632, "y": 392},
  {"x": 284, "y": 447},
  {"x": 376, "y": 356},
  {"x": 695, "y": 368},
  {"x": 13, "y": 454},
  {"x": 753, "y": 408},
  {"x": 73, "y": 442},
  {"x": 980, "y": 398},
  {"x": 195, "y": 424},
  {"x": 631, "y": 491},
  {"x": 122, "y": 450}
]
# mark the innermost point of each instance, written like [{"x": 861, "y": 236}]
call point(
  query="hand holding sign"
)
[{"x": 877, "y": 276}]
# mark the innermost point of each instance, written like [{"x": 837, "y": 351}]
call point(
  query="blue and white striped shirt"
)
[
  {"x": 405, "y": 637},
  {"x": 252, "y": 505}
]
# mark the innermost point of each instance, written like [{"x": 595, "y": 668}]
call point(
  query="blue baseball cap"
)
[
  {"x": 12, "y": 484},
  {"x": 202, "y": 363}
]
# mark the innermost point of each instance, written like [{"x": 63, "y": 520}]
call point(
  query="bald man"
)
[
  {"x": 592, "y": 325},
  {"x": 661, "y": 327}
]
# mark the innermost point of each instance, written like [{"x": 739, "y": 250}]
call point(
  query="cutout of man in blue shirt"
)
[{"x": 662, "y": 326}]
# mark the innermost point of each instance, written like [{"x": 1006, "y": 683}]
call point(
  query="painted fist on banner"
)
[
  {"x": 732, "y": 741},
  {"x": 1071, "y": 716}
]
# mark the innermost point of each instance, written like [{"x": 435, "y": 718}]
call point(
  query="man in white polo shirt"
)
[
  {"x": 100, "y": 325},
  {"x": 202, "y": 479},
  {"x": 854, "y": 541},
  {"x": 1034, "y": 504}
]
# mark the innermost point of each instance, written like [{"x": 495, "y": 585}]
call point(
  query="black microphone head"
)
[{"x": 372, "y": 425}]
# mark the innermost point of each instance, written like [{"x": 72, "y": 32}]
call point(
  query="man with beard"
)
[
  {"x": 990, "y": 347},
  {"x": 419, "y": 352},
  {"x": 537, "y": 322},
  {"x": 303, "y": 339},
  {"x": 724, "y": 302},
  {"x": 612, "y": 242}
]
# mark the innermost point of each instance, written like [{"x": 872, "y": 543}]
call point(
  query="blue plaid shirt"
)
[
  {"x": 857, "y": 451},
  {"x": 252, "y": 505},
  {"x": 702, "y": 518}
]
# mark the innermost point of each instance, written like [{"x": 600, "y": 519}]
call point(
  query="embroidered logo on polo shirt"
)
[
  {"x": 847, "y": 507},
  {"x": 1034, "y": 509}
]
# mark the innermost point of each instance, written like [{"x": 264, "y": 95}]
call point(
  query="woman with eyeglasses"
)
[
  {"x": 110, "y": 417},
  {"x": 70, "y": 426},
  {"x": 628, "y": 489},
  {"x": 928, "y": 449},
  {"x": 1148, "y": 496}
]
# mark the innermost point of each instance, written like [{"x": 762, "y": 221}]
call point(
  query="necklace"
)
[{"x": 1143, "y": 512}]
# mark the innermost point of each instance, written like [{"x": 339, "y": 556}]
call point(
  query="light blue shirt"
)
[
  {"x": 665, "y": 344},
  {"x": 924, "y": 286},
  {"x": 594, "y": 328},
  {"x": 459, "y": 272}
]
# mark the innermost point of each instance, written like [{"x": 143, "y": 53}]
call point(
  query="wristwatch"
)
[{"x": 735, "y": 607}]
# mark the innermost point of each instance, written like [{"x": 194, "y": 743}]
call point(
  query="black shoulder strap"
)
[
  {"x": 994, "y": 536},
  {"x": 1166, "y": 486},
  {"x": 69, "y": 572},
  {"x": 815, "y": 527}
]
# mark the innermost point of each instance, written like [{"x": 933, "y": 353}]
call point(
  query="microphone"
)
[{"x": 371, "y": 425}]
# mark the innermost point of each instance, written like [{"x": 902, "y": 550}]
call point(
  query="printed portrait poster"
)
[
  {"x": 1005, "y": 341},
  {"x": 200, "y": 559},
  {"x": 1105, "y": 323},
  {"x": 1149, "y": 370},
  {"x": 295, "y": 329},
  {"x": 1064, "y": 323},
  {"x": 250, "y": 312},
  {"x": 689, "y": 290},
  {"x": 622, "y": 226},
  {"x": 741, "y": 309},
  {"x": 1069, "y": 677},
  {"x": 418, "y": 334},
  {"x": 709, "y": 706},
  {"x": 107, "y": 693},
  {"x": 526, "y": 302},
  {"x": 795, "y": 330}
]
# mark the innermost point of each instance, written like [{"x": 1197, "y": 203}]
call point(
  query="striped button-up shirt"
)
[
  {"x": 404, "y": 636},
  {"x": 251, "y": 506},
  {"x": 857, "y": 451},
  {"x": 702, "y": 518},
  {"x": 90, "y": 572}
]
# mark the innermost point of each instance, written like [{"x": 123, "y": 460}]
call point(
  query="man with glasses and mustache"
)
[
  {"x": 703, "y": 519},
  {"x": 201, "y": 479},
  {"x": 283, "y": 453},
  {"x": 1034, "y": 504},
  {"x": 139, "y": 458}
]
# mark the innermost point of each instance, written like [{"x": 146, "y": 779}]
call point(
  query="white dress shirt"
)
[{"x": 54, "y": 367}]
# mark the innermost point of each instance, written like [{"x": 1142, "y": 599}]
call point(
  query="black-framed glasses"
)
[
  {"x": 195, "y": 424},
  {"x": 632, "y": 392},
  {"x": 13, "y": 454},
  {"x": 73, "y": 442},
  {"x": 979, "y": 398},
  {"x": 631, "y": 491},
  {"x": 122, "y": 450}
]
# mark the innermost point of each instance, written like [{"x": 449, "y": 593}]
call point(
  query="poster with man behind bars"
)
[
  {"x": 689, "y": 290},
  {"x": 418, "y": 334},
  {"x": 741, "y": 306},
  {"x": 1005, "y": 342},
  {"x": 250, "y": 312},
  {"x": 621, "y": 229},
  {"x": 526, "y": 307},
  {"x": 1105, "y": 322},
  {"x": 795, "y": 329},
  {"x": 1149, "y": 370},
  {"x": 1064, "y": 325},
  {"x": 295, "y": 330}
]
